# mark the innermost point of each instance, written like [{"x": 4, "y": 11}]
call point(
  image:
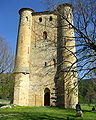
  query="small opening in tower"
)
[
  {"x": 54, "y": 62},
  {"x": 28, "y": 50},
  {"x": 40, "y": 19},
  {"x": 44, "y": 35},
  {"x": 45, "y": 64},
  {"x": 26, "y": 18},
  {"x": 50, "y": 19}
]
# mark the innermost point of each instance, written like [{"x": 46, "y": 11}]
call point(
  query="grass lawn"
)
[
  {"x": 4, "y": 101},
  {"x": 44, "y": 113}
]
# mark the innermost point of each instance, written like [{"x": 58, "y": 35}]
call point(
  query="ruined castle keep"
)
[{"x": 44, "y": 54}]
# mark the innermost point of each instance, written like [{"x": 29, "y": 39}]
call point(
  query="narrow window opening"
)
[
  {"x": 44, "y": 35},
  {"x": 50, "y": 19},
  {"x": 35, "y": 42},
  {"x": 45, "y": 64},
  {"x": 28, "y": 50},
  {"x": 26, "y": 18},
  {"x": 54, "y": 62},
  {"x": 40, "y": 19}
]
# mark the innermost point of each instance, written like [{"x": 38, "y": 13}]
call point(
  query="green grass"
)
[
  {"x": 4, "y": 101},
  {"x": 44, "y": 113}
]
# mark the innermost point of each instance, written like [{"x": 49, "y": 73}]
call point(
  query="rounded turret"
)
[
  {"x": 23, "y": 43},
  {"x": 25, "y": 9},
  {"x": 21, "y": 70},
  {"x": 66, "y": 55}
]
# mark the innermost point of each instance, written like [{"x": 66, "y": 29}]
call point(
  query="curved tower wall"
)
[
  {"x": 23, "y": 44},
  {"x": 32, "y": 76},
  {"x": 68, "y": 93},
  {"x": 21, "y": 70}
]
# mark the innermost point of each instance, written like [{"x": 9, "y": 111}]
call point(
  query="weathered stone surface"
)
[{"x": 40, "y": 59}]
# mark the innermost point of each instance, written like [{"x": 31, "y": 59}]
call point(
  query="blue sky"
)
[{"x": 9, "y": 17}]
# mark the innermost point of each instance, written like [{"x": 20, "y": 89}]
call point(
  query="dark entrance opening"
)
[{"x": 47, "y": 97}]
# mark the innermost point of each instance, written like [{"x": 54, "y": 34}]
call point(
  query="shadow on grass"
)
[
  {"x": 30, "y": 117},
  {"x": 35, "y": 116},
  {"x": 41, "y": 116},
  {"x": 2, "y": 105}
]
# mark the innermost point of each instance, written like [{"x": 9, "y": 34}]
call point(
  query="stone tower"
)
[
  {"x": 21, "y": 89},
  {"x": 44, "y": 54},
  {"x": 66, "y": 69}
]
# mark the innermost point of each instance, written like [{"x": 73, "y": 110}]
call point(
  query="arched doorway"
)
[{"x": 46, "y": 97}]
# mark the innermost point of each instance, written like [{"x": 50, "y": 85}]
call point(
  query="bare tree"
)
[
  {"x": 6, "y": 57},
  {"x": 6, "y": 68},
  {"x": 85, "y": 34}
]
